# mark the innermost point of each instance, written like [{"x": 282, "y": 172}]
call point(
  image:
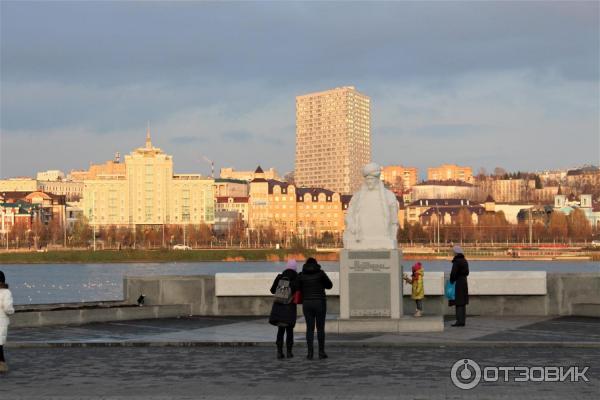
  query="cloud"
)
[
  {"x": 177, "y": 140},
  {"x": 488, "y": 83},
  {"x": 238, "y": 136}
]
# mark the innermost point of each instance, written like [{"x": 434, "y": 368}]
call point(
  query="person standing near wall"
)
[
  {"x": 6, "y": 309},
  {"x": 313, "y": 282},
  {"x": 284, "y": 315},
  {"x": 458, "y": 276},
  {"x": 418, "y": 291}
]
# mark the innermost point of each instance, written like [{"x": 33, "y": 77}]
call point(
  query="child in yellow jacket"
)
[{"x": 418, "y": 293}]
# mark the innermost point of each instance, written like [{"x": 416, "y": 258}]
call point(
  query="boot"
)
[
  {"x": 3, "y": 367},
  {"x": 322, "y": 354},
  {"x": 310, "y": 353},
  {"x": 289, "y": 353},
  {"x": 280, "y": 350}
]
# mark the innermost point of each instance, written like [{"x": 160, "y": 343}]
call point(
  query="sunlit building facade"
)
[
  {"x": 333, "y": 139},
  {"x": 146, "y": 192}
]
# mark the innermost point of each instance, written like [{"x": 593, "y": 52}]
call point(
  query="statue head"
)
[{"x": 372, "y": 172}]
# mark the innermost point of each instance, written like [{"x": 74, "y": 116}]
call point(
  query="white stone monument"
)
[{"x": 370, "y": 271}]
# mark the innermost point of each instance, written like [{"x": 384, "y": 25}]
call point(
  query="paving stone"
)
[{"x": 254, "y": 373}]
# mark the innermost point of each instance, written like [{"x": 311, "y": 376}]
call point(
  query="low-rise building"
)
[
  {"x": 416, "y": 208},
  {"x": 50, "y": 175},
  {"x": 20, "y": 184},
  {"x": 231, "y": 188},
  {"x": 448, "y": 189},
  {"x": 399, "y": 178},
  {"x": 566, "y": 205},
  {"x": 450, "y": 172},
  {"x": 238, "y": 205},
  {"x": 16, "y": 213},
  {"x": 291, "y": 211},
  {"x": 72, "y": 190},
  {"x": 511, "y": 211},
  {"x": 450, "y": 215},
  {"x": 231, "y": 173}
]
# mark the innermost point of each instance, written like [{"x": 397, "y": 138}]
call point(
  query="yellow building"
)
[
  {"x": 230, "y": 173},
  {"x": 18, "y": 185},
  {"x": 306, "y": 212},
  {"x": 399, "y": 177},
  {"x": 231, "y": 204},
  {"x": 70, "y": 189},
  {"x": 144, "y": 191},
  {"x": 450, "y": 172},
  {"x": 333, "y": 139}
]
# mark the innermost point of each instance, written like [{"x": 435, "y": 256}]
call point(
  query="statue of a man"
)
[{"x": 372, "y": 217}]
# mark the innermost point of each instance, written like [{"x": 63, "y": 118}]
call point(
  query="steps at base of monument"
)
[{"x": 406, "y": 324}]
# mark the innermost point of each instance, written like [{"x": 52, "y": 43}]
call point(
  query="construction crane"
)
[{"x": 212, "y": 165}]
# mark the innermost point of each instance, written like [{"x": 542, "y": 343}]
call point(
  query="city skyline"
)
[{"x": 443, "y": 88}]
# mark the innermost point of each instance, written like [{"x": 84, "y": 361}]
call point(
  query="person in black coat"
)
[
  {"x": 284, "y": 316},
  {"x": 458, "y": 276},
  {"x": 313, "y": 282}
]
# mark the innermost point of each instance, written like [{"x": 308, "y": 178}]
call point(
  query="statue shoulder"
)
[{"x": 389, "y": 195}]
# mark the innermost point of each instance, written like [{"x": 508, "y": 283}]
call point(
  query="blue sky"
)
[{"x": 486, "y": 84}]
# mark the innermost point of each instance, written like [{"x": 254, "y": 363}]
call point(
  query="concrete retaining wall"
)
[
  {"x": 561, "y": 292},
  {"x": 75, "y": 316}
]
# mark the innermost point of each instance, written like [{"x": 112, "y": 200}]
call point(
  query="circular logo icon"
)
[{"x": 465, "y": 374}]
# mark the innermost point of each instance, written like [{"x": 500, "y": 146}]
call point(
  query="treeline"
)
[{"x": 493, "y": 228}]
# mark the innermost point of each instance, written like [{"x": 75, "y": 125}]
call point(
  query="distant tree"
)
[
  {"x": 109, "y": 235},
  {"x": 327, "y": 238},
  {"x": 81, "y": 233},
  {"x": 580, "y": 228},
  {"x": 55, "y": 230},
  {"x": 499, "y": 171},
  {"x": 558, "y": 228},
  {"x": 464, "y": 223},
  {"x": 205, "y": 234},
  {"x": 481, "y": 174},
  {"x": 290, "y": 178},
  {"x": 124, "y": 237},
  {"x": 237, "y": 229}
]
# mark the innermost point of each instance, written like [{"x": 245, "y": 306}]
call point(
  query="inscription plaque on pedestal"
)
[{"x": 370, "y": 284}]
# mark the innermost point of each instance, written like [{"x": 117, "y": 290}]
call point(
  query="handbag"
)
[
  {"x": 297, "y": 299},
  {"x": 450, "y": 290}
]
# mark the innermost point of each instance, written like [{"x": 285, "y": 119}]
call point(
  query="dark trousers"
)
[
  {"x": 2, "y": 354},
  {"x": 314, "y": 314},
  {"x": 461, "y": 314},
  {"x": 419, "y": 304},
  {"x": 289, "y": 336}
]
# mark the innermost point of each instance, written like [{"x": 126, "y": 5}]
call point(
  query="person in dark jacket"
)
[
  {"x": 313, "y": 282},
  {"x": 458, "y": 276},
  {"x": 283, "y": 316}
]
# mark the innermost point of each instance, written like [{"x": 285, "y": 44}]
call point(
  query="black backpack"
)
[{"x": 283, "y": 293}]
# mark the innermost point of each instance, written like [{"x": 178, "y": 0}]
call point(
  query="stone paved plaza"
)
[
  {"x": 253, "y": 373},
  {"x": 234, "y": 358},
  {"x": 257, "y": 330}
]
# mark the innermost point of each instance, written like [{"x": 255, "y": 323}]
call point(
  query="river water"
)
[{"x": 66, "y": 283}]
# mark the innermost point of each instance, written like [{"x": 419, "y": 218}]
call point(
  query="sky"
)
[{"x": 483, "y": 84}]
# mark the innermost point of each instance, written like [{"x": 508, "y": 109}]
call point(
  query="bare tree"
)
[
  {"x": 558, "y": 227},
  {"x": 580, "y": 228}
]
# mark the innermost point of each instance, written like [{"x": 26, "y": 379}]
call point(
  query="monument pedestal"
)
[
  {"x": 371, "y": 296},
  {"x": 370, "y": 284}
]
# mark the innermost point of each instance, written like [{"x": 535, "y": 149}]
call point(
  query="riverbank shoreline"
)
[{"x": 225, "y": 255}]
